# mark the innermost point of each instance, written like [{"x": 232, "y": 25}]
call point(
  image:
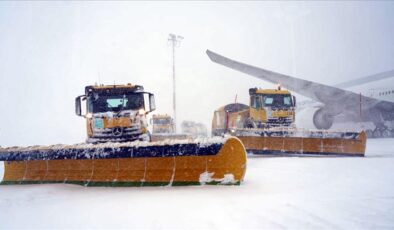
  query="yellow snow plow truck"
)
[
  {"x": 270, "y": 108},
  {"x": 116, "y": 113},
  {"x": 265, "y": 127},
  {"x": 162, "y": 124},
  {"x": 118, "y": 151},
  {"x": 163, "y": 128}
]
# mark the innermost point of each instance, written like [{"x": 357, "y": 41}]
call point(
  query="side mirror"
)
[
  {"x": 294, "y": 101},
  {"x": 152, "y": 105},
  {"x": 78, "y": 109}
]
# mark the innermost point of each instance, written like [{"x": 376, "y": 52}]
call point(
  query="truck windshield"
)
[
  {"x": 277, "y": 100},
  {"x": 98, "y": 103},
  {"x": 161, "y": 121}
]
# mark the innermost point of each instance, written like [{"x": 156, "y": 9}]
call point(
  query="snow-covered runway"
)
[{"x": 278, "y": 192}]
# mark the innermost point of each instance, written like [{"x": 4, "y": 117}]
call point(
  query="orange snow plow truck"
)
[
  {"x": 119, "y": 151},
  {"x": 266, "y": 126}
]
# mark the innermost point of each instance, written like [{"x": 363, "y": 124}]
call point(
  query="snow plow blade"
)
[
  {"x": 293, "y": 142},
  {"x": 214, "y": 161}
]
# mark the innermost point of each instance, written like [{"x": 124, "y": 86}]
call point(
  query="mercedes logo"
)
[{"x": 117, "y": 131}]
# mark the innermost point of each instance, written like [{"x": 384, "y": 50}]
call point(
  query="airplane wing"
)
[
  {"x": 363, "y": 80},
  {"x": 332, "y": 97}
]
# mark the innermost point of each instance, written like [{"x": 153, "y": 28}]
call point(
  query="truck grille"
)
[
  {"x": 280, "y": 120},
  {"x": 117, "y": 132}
]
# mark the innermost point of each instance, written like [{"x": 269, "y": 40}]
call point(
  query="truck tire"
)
[{"x": 249, "y": 123}]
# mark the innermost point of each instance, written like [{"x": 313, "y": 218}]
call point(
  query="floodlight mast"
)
[{"x": 175, "y": 42}]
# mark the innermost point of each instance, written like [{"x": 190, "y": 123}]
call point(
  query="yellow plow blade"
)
[
  {"x": 129, "y": 165},
  {"x": 310, "y": 143}
]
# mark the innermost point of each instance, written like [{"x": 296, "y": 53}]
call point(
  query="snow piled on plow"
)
[
  {"x": 202, "y": 142},
  {"x": 278, "y": 192}
]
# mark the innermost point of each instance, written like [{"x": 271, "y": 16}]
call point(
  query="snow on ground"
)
[{"x": 278, "y": 192}]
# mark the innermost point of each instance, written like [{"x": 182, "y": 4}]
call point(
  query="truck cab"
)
[
  {"x": 116, "y": 112},
  {"x": 270, "y": 107}
]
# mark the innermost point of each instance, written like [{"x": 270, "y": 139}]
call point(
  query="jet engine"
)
[{"x": 322, "y": 119}]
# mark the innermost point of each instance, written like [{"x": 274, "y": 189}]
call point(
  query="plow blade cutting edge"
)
[{"x": 218, "y": 161}]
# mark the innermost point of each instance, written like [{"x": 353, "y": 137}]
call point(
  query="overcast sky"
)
[{"x": 50, "y": 50}]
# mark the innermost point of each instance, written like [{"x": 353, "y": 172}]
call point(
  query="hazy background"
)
[{"x": 50, "y": 50}]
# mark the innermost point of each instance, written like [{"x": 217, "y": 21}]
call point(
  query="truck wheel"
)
[{"x": 249, "y": 123}]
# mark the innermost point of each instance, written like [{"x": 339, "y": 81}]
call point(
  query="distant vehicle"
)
[
  {"x": 162, "y": 124},
  {"x": 337, "y": 105},
  {"x": 193, "y": 129}
]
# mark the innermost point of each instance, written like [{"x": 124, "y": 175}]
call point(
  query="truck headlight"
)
[
  {"x": 141, "y": 112},
  {"x": 89, "y": 115}
]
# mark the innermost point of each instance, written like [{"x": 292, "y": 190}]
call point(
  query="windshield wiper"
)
[{"x": 123, "y": 105}]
